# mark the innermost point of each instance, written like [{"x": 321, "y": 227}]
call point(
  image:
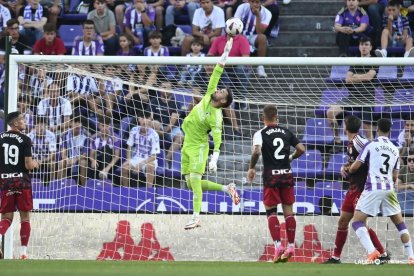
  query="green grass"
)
[{"x": 119, "y": 268}]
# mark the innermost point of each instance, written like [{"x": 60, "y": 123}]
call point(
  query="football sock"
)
[
  {"x": 340, "y": 239},
  {"x": 207, "y": 185},
  {"x": 188, "y": 181},
  {"x": 195, "y": 179},
  {"x": 362, "y": 233},
  {"x": 274, "y": 227},
  {"x": 290, "y": 228},
  {"x": 4, "y": 225},
  {"x": 25, "y": 232},
  {"x": 23, "y": 250},
  {"x": 408, "y": 248},
  {"x": 375, "y": 241}
]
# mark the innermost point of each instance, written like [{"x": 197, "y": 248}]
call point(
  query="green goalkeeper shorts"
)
[{"x": 194, "y": 158}]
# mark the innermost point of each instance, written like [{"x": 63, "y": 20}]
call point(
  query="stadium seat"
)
[
  {"x": 183, "y": 100},
  {"x": 334, "y": 164},
  {"x": 1, "y": 125},
  {"x": 338, "y": 74},
  {"x": 402, "y": 96},
  {"x": 68, "y": 33},
  {"x": 408, "y": 74},
  {"x": 161, "y": 163},
  {"x": 387, "y": 74},
  {"x": 329, "y": 97},
  {"x": 175, "y": 170},
  {"x": 309, "y": 165},
  {"x": 186, "y": 28},
  {"x": 318, "y": 132}
]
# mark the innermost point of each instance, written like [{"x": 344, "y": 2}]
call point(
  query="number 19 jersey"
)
[
  {"x": 382, "y": 158},
  {"x": 276, "y": 142},
  {"x": 14, "y": 147}
]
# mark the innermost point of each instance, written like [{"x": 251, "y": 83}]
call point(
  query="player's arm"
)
[
  {"x": 355, "y": 166},
  {"x": 256, "y": 152},
  {"x": 395, "y": 175},
  {"x": 299, "y": 150},
  {"x": 216, "y": 131},
  {"x": 30, "y": 163},
  {"x": 218, "y": 70}
]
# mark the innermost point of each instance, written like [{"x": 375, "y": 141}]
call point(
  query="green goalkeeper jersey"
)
[{"x": 204, "y": 117}]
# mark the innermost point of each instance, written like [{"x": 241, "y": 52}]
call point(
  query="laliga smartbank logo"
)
[{"x": 379, "y": 262}]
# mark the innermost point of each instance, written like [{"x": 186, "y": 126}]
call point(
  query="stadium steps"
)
[{"x": 306, "y": 29}]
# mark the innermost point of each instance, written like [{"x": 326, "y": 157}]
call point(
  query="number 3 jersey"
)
[
  {"x": 383, "y": 158},
  {"x": 14, "y": 147},
  {"x": 276, "y": 142}
]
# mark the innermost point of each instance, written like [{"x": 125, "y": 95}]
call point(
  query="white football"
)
[{"x": 234, "y": 26}]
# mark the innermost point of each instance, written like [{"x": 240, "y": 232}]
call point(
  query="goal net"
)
[{"x": 107, "y": 132}]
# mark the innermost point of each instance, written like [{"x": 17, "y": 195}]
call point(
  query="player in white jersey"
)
[{"x": 379, "y": 194}]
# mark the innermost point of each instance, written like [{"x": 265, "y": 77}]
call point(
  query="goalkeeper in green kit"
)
[{"x": 206, "y": 117}]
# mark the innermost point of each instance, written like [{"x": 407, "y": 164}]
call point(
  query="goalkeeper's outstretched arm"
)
[{"x": 218, "y": 70}]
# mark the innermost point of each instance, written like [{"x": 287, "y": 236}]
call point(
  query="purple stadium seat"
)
[
  {"x": 309, "y": 165},
  {"x": 408, "y": 74},
  {"x": 317, "y": 132},
  {"x": 1, "y": 125},
  {"x": 403, "y": 96},
  {"x": 161, "y": 163},
  {"x": 125, "y": 127},
  {"x": 380, "y": 100},
  {"x": 68, "y": 33},
  {"x": 335, "y": 162},
  {"x": 175, "y": 170},
  {"x": 186, "y": 28},
  {"x": 397, "y": 127},
  {"x": 338, "y": 74},
  {"x": 387, "y": 74},
  {"x": 183, "y": 100},
  {"x": 329, "y": 97},
  {"x": 328, "y": 185}
]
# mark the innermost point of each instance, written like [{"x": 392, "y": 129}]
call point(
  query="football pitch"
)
[{"x": 119, "y": 268}]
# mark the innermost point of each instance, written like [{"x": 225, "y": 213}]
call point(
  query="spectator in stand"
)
[
  {"x": 138, "y": 20},
  {"x": 126, "y": 49},
  {"x": 56, "y": 109},
  {"x": 104, "y": 20},
  {"x": 351, "y": 22},
  {"x": 120, "y": 7},
  {"x": 43, "y": 150},
  {"x": 154, "y": 50},
  {"x": 191, "y": 72},
  {"x": 143, "y": 147},
  {"x": 167, "y": 120},
  {"x": 256, "y": 19},
  {"x": 272, "y": 6},
  {"x": 105, "y": 150},
  {"x": 406, "y": 140},
  {"x": 54, "y": 7},
  {"x": 90, "y": 44},
  {"x": 180, "y": 8},
  {"x": 360, "y": 81},
  {"x": 158, "y": 6},
  {"x": 73, "y": 152},
  {"x": 136, "y": 100},
  {"x": 39, "y": 81},
  {"x": 2, "y": 79},
  {"x": 18, "y": 40},
  {"x": 233, "y": 74},
  {"x": 208, "y": 23},
  {"x": 13, "y": 6},
  {"x": 229, "y": 6},
  {"x": 33, "y": 17},
  {"x": 49, "y": 44},
  {"x": 23, "y": 104},
  {"x": 405, "y": 179},
  {"x": 4, "y": 17},
  {"x": 375, "y": 10},
  {"x": 396, "y": 31}
]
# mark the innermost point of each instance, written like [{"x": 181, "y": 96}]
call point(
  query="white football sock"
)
[
  {"x": 408, "y": 248},
  {"x": 362, "y": 233},
  {"x": 23, "y": 250}
]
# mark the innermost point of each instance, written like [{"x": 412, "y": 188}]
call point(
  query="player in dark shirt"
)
[
  {"x": 274, "y": 142},
  {"x": 356, "y": 186},
  {"x": 15, "y": 183}
]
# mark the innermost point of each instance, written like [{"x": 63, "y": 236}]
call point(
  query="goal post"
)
[{"x": 79, "y": 209}]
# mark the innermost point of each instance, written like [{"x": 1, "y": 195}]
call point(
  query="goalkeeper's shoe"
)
[
  {"x": 233, "y": 193},
  {"x": 23, "y": 257},
  {"x": 279, "y": 251},
  {"x": 332, "y": 260},
  {"x": 193, "y": 223},
  {"x": 287, "y": 254}
]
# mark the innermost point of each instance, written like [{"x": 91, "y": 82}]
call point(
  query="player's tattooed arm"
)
[{"x": 257, "y": 151}]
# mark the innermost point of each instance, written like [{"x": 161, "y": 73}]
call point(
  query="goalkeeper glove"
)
[
  {"x": 226, "y": 52},
  {"x": 212, "y": 166}
]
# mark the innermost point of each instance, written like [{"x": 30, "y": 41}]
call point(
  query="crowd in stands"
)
[{"x": 103, "y": 128}]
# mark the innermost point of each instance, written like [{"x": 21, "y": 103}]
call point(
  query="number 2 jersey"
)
[
  {"x": 276, "y": 142},
  {"x": 14, "y": 147},
  {"x": 383, "y": 158}
]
